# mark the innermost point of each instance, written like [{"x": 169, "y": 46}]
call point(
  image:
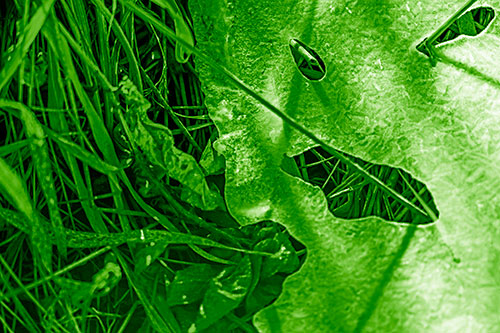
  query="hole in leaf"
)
[
  {"x": 352, "y": 193},
  {"x": 471, "y": 23},
  {"x": 307, "y": 60}
]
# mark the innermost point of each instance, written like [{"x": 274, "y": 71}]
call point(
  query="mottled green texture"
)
[{"x": 383, "y": 102}]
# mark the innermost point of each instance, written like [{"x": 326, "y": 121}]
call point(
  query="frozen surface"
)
[{"x": 383, "y": 102}]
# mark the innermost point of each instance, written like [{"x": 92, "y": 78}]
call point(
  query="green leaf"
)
[
  {"x": 211, "y": 161},
  {"x": 190, "y": 284},
  {"x": 203, "y": 295},
  {"x": 266, "y": 291},
  {"x": 270, "y": 238},
  {"x": 224, "y": 294},
  {"x": 382, "y": 102},
  {"x": 82, "y": 154},
  {"x": 157, "y": 145}
]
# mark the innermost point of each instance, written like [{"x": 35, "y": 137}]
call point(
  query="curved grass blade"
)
[
  {"x": 11, "y": 186},
  {"x": 82, "y": 154},
  {"x": 43, "y": 167}
]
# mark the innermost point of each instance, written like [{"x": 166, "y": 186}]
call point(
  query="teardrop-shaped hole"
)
[{"x": 309, "y": 63}]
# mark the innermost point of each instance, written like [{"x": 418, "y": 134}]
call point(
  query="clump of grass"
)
[
  {"x": 111, "y": 210},
  {"x": 353, "y": 192}
]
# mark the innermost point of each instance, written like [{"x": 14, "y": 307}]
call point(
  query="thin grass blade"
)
[
  {"x": 24, "y": 43},
  {"x": 15, "y": 192}
]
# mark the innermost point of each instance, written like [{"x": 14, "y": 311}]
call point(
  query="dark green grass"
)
[
  {"x": 351, "y": 194},
  {"x": 95, "y": 233}
]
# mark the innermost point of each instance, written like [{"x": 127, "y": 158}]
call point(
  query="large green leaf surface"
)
[{"x": 383, "y": 102}]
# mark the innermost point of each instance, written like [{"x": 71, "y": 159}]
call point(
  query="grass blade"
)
[
  {"x": 82, "y": 154},
  {"x": 24, "y": 43},
  {"x": 182, "y": 29},
  {"x": 14, "y": 189},
  {"x": 429, "y": 211},
  {"x": 41, "y": 159}
]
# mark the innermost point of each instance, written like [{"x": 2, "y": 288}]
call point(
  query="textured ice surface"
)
[{"x": 383, "y": 102}]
